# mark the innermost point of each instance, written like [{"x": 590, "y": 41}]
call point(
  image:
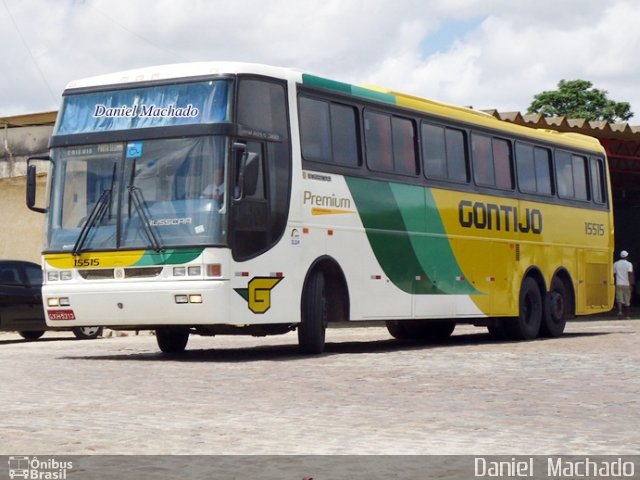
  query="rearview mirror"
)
[{"x": 32, "y": 183}]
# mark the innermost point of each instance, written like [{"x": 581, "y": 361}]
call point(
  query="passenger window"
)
[
  {"x": 564, "y": 174},
  {"x": 378, "y": 141},
  {"x": 434, "y": 152},
  {"x": 390, "y": 143},
  {"x": 571, "y": 174},
  {"x": 404, "y": 151},
  {"x": 314, "y": 129},
  {"x": 457, "y": 169},
  {"x": 526, "y": 168},
  {"x": 534, "y": 171},
  {"x": 328, "y": 132},
  {"x": 344, "y": 135},
  {"x": 543, "y": 170},
  {"x": 580, "y": 177},
  {"x": 444, "y": 153},
  {"x": 502, "y": 163},
  {"x": 597, "y": 181},
  {"x": 483, "y": 169}
]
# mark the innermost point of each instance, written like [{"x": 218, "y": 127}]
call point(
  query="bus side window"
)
[
  {"x": 344, "y": 135},
  {"x": 314, "y": 129},
  {"x": 534, "y": 169},
  {"x": 542, "y": 159},
  {"x": 404, "y": 150},
  {"x": 526, "y": 168},
  {"x": 483, "y": 170},
  {"x": 597, "y": 181},
  {"x": 564, "y": 174},
  {"x": 579, "y": 164},
  {"x": 328, "y": 132},
  {"x": 502, "y": 163},
  {"x": 433, "y": 151},
  {"x": 378, "y": 141},
  {"x": 457, "y": 162}
]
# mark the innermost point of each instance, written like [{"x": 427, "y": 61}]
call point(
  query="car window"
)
[
  {"x": 34, "y": 275},
  {"x": 9, "y": 275}
]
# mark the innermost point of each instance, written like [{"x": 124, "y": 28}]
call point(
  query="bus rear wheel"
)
[
  {"x": 172, "y": 339},
  {"x": 556, "y": 310},
  {"x": 312, "y": 328},
  {"x": 527, "y": 324}
]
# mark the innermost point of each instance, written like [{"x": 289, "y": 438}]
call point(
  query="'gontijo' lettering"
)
[{"x": 502, "y": 218}]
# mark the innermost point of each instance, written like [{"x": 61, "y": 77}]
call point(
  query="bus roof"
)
[
  {"x": 403, "y": 100},
  {"x": 181, "y": 70}
]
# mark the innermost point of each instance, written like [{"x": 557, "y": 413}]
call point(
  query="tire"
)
[
  {"x": 420, "y": 329},
  {"x": 172, "y": 339},
  {"x": 312, "y": 328},
  {"x": 526, "y": 326},
  {"x": 556, "y": 310},
  {"x": 87, "y": 333},
  {"x": 497, "y": 332},
  {"x": 397, "y": 330},
  {"x": 31, "y": 334}
]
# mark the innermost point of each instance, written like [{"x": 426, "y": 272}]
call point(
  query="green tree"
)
[{"x": 578, "y": 99}]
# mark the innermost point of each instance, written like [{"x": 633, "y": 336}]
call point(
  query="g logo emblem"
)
[{"x": 258, "y": 293}]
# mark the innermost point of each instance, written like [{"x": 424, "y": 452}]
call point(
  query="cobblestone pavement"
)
[{"x": 368, "y": 394}]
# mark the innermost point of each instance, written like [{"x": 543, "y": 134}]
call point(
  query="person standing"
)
[{"x": 623, "y": 273}]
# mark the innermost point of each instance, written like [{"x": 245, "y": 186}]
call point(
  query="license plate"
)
[{"x": 61, "y": 315}]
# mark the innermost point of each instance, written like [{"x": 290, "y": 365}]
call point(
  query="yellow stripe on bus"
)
[{"x": 94, "y": 259}]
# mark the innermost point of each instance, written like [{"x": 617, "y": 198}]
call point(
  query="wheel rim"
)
[{"x": 89, "y": 331}]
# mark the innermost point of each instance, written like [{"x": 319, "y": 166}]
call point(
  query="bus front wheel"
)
[
  {"x": 172, "y": 339},
  {"x": 420, "y": 329},
  {"x": 312, "y": 328},
  {"x": 527, "y": 324}
]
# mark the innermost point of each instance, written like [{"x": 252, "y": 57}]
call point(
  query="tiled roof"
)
[
  {"x": 29, "y": 119},
  {"x": 597, "y": 129}
]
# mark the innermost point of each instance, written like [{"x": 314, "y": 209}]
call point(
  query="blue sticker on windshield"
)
[{"x": 134, "y": 150}]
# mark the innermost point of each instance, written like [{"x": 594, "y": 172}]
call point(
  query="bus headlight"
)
[{"x": 196, "y": 298}]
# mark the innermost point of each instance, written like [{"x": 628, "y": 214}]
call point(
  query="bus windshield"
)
[{"x": 151, "y": 194}]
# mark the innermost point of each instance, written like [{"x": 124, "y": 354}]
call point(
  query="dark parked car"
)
[{"x": 21, "y": 302}]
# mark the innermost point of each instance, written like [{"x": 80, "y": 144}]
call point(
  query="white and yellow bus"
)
[{"x": 231, "y": 198}]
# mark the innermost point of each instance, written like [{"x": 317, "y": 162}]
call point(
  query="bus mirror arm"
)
[{"x": 32, "y": 183}]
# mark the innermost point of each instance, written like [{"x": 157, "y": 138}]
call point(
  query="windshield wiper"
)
[
  {"x": 99, "y": 209},
  {"x": 97, "y": 212},
  {"x": 135, "y": 197}
]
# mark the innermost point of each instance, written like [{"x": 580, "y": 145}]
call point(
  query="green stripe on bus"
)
[
  {"x": 341, "y": 87},
  {"x": 407, "y": 237},
  {"x": 169, "y": 257},
  {"x": 429, "y": 239}
]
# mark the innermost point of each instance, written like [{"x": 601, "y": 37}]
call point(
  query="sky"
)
[{"x": 488, "y": 54}]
